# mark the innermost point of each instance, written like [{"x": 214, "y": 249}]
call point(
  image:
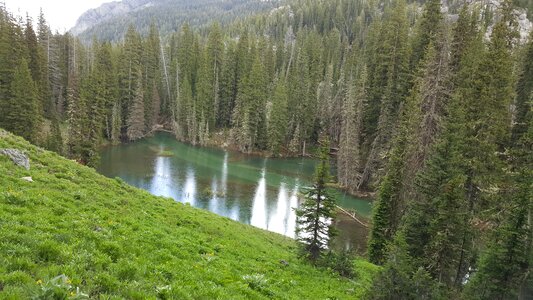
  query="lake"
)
[{"x": 249, "y": 189}]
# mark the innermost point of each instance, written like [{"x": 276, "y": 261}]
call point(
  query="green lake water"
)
[{"x": 249, "y": 189}]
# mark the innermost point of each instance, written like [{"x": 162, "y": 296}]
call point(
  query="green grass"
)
[{"x": 113, "y": 241}]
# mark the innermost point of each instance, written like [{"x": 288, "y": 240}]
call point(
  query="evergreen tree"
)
[
  {"x": 152, "y": 77},
  {"x": 76, "y": 118},
  {"x": 135, "y": 122},
  {"x": 55, "y": 138},
  {"x": 400, "y": 279},
  {"x": 214, "y": 62},
  {"x": 506, "y": 263},
  {"x": 524, "y": 88},
  {"x": 314, "y": 216},
  {"x": 37, "y": 67},
  {"x": 388, "y": 207},
  {"x": 278, "y": 121},
  {"x": 393, "y": 78},
  {"x": 129, "y": 68},
  {"x": 436, "y": 220},
  {"x": 20, "y": 112},
  {"x": 426, "y": 32},
  {"x": 349, "y": 159},
  {"x": 227, "y": 80},
  {"x": 249, "y": 117}
]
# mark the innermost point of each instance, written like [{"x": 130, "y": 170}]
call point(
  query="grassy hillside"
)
[{"x": 114, "y": 241}]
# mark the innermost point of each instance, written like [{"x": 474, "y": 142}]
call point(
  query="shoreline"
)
[{"x": 219, "y": 140}]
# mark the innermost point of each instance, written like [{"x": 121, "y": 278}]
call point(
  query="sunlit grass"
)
[{"x": 113, "y": 241}]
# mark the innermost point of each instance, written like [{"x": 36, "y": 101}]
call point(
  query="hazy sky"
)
[{"x": 60, "y": 14}]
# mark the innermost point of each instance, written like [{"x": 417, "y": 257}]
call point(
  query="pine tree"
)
[
  {"x": 227, "y": 80},
  {"x": 129, "y": 68},
  {"x": 55, "y": 138},
  {"x": 426, "y": 32},
  {"x": 278, "y": 121},
  {"x": 393, "y": 75},
  {"x": 400, "y": 279},
  {"x": 349, "y": 159},
  {"x": 215, "y": 58},
  {"x": 37, "y": 67},
  {"x": 13, "y": 50},
  {"x": 249, "y": 117},
  {"x": 437, "y": 219},
  {"x": 505, "y": 265},
  {"x": 388, "y": 207},
  {"x": 152, "y": 77},
  {"x": 205, "y": 96},
  {"x": 326, "y": 103},
  {"x": 76, "y": 117},
  {"x": 432, "y": 88},
  {"x": 20, "y": 112},
  {"x": 135, "y": 122},
  {"x": 524, "y": 88},
  {"x": 314, "y": 216}
]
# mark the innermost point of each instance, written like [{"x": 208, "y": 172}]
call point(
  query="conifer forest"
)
[{"x": 430, "y": 110}]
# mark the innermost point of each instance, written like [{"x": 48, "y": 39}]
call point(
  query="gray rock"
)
[
  {"x": 28, "y": 179},
  {"x": 18, "y": 157}
]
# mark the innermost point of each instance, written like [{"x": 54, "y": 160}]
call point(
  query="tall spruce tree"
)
[
  {"x": 20, "y": 112},
  {"x": 393, "y": 73},
  {"x": 278, "y": 120},
  {"x": 349, "y": 159},
  {"x": 314, "y": 216},
  {"x": 135, "y": 121},
  {"x": 436, "y": 220},
  {"x": 524, "y": 88}
]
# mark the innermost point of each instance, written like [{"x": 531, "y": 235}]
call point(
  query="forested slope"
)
[{"x": 430, "y": 110}]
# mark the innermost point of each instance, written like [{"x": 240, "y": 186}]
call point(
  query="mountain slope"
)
[
  {"x": 110, "y": 20},
  {"x": 111, "y": 239}
]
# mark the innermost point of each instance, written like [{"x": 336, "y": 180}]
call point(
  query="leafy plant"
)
[{"x": 59, "y": 288}]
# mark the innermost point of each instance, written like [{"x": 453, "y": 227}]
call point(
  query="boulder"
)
[{"x": 18, "y": 157}]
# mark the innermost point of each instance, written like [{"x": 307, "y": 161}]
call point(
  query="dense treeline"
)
[{"x": 433, "y": 114}]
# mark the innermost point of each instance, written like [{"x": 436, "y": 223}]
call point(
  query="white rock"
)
[
  {"x": 18, "y": 157},
  {"x": 28, "y": 179}
]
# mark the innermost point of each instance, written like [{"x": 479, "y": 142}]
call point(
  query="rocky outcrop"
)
[
  {"x": 18, "y": 157},
  {"x": 107, "y": 11},
  {"x": 525, "y": 26}
]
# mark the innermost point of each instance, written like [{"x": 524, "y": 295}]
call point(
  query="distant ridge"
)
[{"x": 110, "y": 20}]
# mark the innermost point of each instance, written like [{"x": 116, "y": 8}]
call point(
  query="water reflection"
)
[
  {"x": 162, "y": 182},
  {"x": 259, "y": 210},
  {"x": 257, "y": 191},
  {"x": 189, "y": 190}
]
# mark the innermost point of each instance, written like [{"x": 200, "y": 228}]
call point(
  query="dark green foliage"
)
[
  {"x": 135, "y": 121},
  {"x": 524, "y": 89},
  {"x": 249, "y": 116},
  {"x": 21, "y": 110},
  {"x": 401, "y": 280},
  {"x": 278, "y": 121},
  {"x": 436, "y": 221},
  {"x": 505, "y": 264},
  {"x": 426, "y": 31},
  {"x": 314, "y": 216},
  {"x": 349, "y": 158}
]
